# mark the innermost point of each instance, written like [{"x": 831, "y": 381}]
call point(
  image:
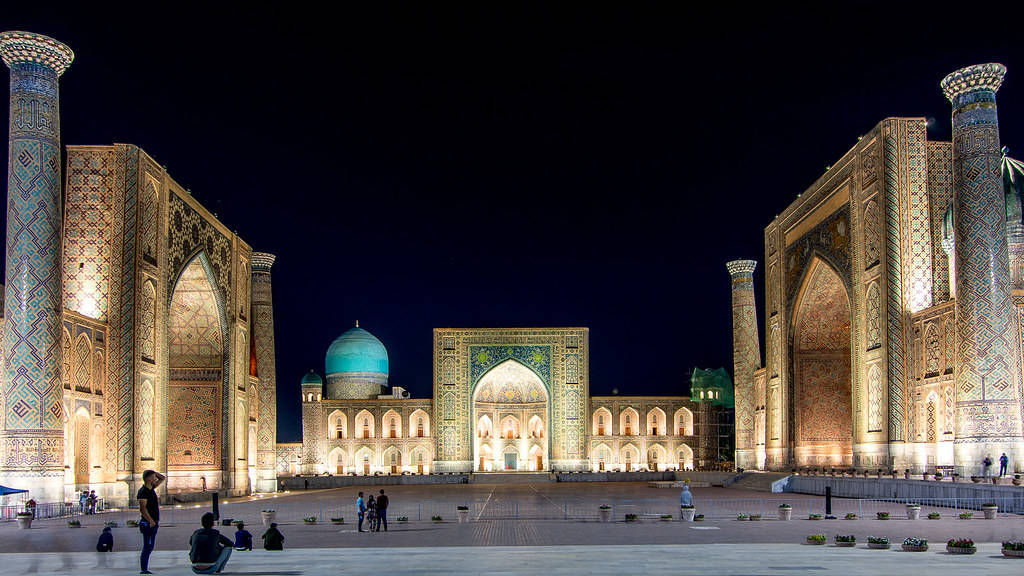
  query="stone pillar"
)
[
  {"x": 987, "y": 365},
  {"x": 746, "y": 358},
  {"x": 263, "y": 343},
  {"x": 33, "y": 429}
]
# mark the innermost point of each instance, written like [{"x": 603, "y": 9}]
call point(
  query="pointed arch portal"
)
[{"x": 513, "y": 397}]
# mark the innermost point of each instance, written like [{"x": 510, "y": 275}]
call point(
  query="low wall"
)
[
  {"x": 711, "y": 478},
  {"x": 1009, "y": 498},
  {"x": 322, "y": 482}
]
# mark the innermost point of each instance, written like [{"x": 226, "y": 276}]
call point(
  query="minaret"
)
[
  {"x": 263, "y": 341},
  {"x": 746, "y": 358},
  {"x": 987, "y": 364},
  {"x": 33, "y": 427}
]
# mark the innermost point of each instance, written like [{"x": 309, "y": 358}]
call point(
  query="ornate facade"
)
[
  {"x": 893, "y": 321},
  {"x": 514, "y": 399},
  {"x": 154, "y": 322}
]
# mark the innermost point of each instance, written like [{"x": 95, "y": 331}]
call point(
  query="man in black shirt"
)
[
  {"x": 382, "y": 509},
  {"x": 149, "y": 508},
  {"x": 210, "y": 550}
]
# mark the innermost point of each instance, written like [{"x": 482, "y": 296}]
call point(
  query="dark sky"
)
[{"x": 416, "y": 169}]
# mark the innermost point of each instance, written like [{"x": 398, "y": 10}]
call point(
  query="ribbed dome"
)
[
  {"x": 357, "y": 351},
  {"x": 312, "y": 378}
]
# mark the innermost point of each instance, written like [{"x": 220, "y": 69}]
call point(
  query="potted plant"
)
[
  {"x": 309, "y": 519},
  {"x": 785, "y": 511},
  {"x": 687, "y": 513},
  {"x": 132, "y": 523},
  {"x": 337, "y": 521},
  {"x": 402, "y": 519},
  {"x": 913, "y": 511},
  {"x": 926, "y": 476},
  {"x": 883, "y": 515},
  {"x": 906, "y": 474},
  {"x": 268, "y": 516},
  {"x": 742, "y": 516},
  {"x": 966, "y": 515},
  {"x": 816, "y": 539},
  {"x": 24, "y": 520},
  {"x": 938, "y": 476},
  {"x": 814, "y": 516},
  {"x": 851, "y": 516},
  {"x": 74, "y": 523},
  {"x": 632, "y": 518},
  {"x": 605, "y": 512},
  {"x": 955, "y": 477},
  {"x": 976, "y": 479},
  {"x": 666, "y": 517},
  {"x": 915, "y": 545},
  {"x": 934, "y": 516},
  {"x": 961, "y": 546},
  {"x": 436, "y": 519},
  {"x": 110, "y": 524},
  {"x": 878, "y": 543},
  {"x": 698, "y": 518},
  {"x": 463, "y": 513},
  {"x": 995, "y": 479},
  {"x": 1013, "y": 549},
  {"x": 990, "y": 511},
  {"x": 846, "y": 541},
  {"x": 755, "y": 517}
]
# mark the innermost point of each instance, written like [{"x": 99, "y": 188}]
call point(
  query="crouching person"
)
[{"x": 210, "y": 550}]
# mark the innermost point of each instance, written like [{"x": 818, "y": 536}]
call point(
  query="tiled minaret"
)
[
  {"x": 33, "y": 427},
  {"x": 263, "y": 341},
  {"x": 987, "y": 365},
  {"x": 746, "y": 358}
]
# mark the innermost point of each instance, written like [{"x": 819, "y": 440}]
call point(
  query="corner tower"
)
[
  {"x": 263, "y": 344},
  {"x": 987, "y": 367},
  {"x": 746, "y": 358},
  {"x": 33, "y": 444}
]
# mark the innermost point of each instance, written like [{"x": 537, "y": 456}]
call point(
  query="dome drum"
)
[{"x": 355, "y": 386}]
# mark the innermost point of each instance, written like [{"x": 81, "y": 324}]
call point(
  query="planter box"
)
[
  {"x": 876, "y": 546},
  {"x": 24, "y": 522},
  {"x": 785, "y": 513},
  {"x": 913, "y": 513},
  {"x": 268, "y": 517},
  {"x": 1013, "y": 553},
  {"x": 909, "y": 548},
  {"x": 990, "y": 512},
  {"x": 687, "y": 514},
  {"x": 463, "y": 516},
  {"x": 956, "y": 550},
  {"x": 605, "y": 514},
  {"x": 846, "y": 544},
  {"x": 816, "y": 542}
]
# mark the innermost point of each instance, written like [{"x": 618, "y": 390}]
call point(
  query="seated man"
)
[
  {"x": 243, "y": 538},
  {"x": 210, "y": 550}
]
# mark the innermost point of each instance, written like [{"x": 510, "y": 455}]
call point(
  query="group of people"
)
[
  {"x": 1003, "y": 462},
  {"x": 374, "y": 511},
  {"x": 87, "y": 502}
]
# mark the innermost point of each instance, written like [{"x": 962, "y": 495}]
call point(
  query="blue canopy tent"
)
[
  {"x": 5, "y": 491},
  {"x": 12, "y": 501}
]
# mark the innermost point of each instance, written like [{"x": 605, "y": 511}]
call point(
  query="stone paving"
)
[{"x": 719, "y": 559}]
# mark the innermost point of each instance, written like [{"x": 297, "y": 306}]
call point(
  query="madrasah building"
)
[
  {"x": 505, "y": 400},
  {"x": 894, "y": 304}
]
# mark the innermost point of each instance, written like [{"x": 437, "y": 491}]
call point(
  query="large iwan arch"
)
[{"x": 513, "y": 397}]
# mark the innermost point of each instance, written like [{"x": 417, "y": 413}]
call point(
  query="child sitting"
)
[
  {"x": 243, "y": 539},
  {"x": 106, "y": 541}
]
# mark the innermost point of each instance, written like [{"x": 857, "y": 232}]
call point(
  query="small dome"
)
[
  {"x": 312, "y": 378},
  {"x": 357, "y": 351}
]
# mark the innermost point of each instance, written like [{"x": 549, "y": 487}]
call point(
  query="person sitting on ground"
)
[
  {"x": 106, "y": 541},
  {"x": 243, "y": 539},
  {"x": 210, "y": 550},
  {"x": 272, "y": 538}
]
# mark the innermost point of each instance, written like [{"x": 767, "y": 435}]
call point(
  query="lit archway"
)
[
  {"x": 365, "y": 425},
  {"x": 655, "y": 422},
  {"x": 629, "y": 422},
  {"x": 602, "y": 458},
  {"x": 684, "y": 422},
  {"x": 336, "y": 461},
  {"x": 337, "y": 426},
  {"x": 509, "y": 395},
  {"x": 82, "y": 445},
  {"x": 684, "y": 457},
  {"x": 602, "y": 424},
  {"x": 392, "y": 423},
  {"x": 656, "y": 457},
  {"x": 823, "y": 419},
  {"x": 629, "y": 457},
  {"x": 419, "y": 424}
]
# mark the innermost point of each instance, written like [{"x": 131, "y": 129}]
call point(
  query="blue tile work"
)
[
  {"x": 987, "y": 371},
  {"x": 895, "y": 215},
  {"x": 537, "y": 358},
  {"x": 33, "y": 418},
  {"x": 128, "y": 166}
]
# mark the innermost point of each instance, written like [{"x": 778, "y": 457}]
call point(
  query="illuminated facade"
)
[
  {"x": 894, "y": 304},
  {"x": 513, "y": 399},
  {"x": 153, "y": 325}
]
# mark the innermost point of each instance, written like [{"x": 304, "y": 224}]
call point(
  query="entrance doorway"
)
[
  {"x": 511, "y": 461},
  {"x": 540, "y": 462}
]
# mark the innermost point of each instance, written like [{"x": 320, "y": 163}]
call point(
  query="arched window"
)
[
  {"x": 366, "y": 427},
  {"x": 393, "y": 429},
  {"x": 339, "y": 428},
  {"x": 419, "y": 427}
]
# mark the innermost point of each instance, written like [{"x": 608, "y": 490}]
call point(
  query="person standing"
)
[
  {"x": 1003, "y": 461},
  {"x": 91, "y": 501},
  {"x": 382, "y": 509},
  {"x": 987, "y": 465},
  {"x": 149, "y": 508},
  {"x": 360, "y": 510},
  {"x": 83, "y": 501}
]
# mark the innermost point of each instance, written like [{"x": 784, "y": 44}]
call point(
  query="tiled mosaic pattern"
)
[
  {"x": 940, "y": 198},
  {"x": 746, "y": 355},
  {"x": 266, "y": 366},
  {"x": 88, "y": 231}
]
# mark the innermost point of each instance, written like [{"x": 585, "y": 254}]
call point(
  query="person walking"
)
[
  {"x": 149, "y": 508},
  {"x": 382, "y": 509},
  {"x": 210, "y": 549},
  {"x": 1003, "y": 461},
  {"x": 360, "y": 510}
]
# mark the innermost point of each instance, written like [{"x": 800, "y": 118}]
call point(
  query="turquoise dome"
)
[
  {"x": 357, "y": 351},
  {"x": 312, "y": 378}
]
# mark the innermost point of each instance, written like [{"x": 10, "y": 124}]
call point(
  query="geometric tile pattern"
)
[
  {"x": 896, "y": 225},
  {"x": 746, "y": 356},
  {"x": 263, "y": 346},
  {"x": 194, "y": 440},
  {"x": 194, "y": 332},
  {"x": 876, "y": 398},
  {"x": 188, "y": 233},
  {"x": 123, "y": 374},
  {"x": 940, "y": 196},
  {"x": 919, "y": 250},
  {"x": 932, "y": 351},
  {"x": 88, "y": 232},
  {"x": 987, "y": 369}
]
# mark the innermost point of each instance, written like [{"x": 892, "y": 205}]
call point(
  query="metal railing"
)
[
  {"x": 51, "y": 510},
  {"x": 721, "y": 509}
]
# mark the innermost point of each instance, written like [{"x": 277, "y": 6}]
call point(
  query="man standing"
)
[
  {"x": 986, "y": 465},
  {"x": 360, "y": 510},
  {"x": 210, "y": 549},
  {"x": 382, "y": 509},
  {"x": 149, "y": 508},
  {"x": 1003, "y": 461}
]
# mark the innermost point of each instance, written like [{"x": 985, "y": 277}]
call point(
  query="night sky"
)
[{"x": 415, "y": 169}]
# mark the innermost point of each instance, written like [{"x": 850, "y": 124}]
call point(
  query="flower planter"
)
[
  {"x": 785, "y": 513},
  {"x": 877, "y": 546},
  {"x": 463, "y": 516},
  {"x": 687, "y": 514},
  {"x": 24, "y": 522},
  {"x": 909, "y": 548},
  {"x": 268, "y": 517},
  {"x": 976, "y": 479},
  {"x": 606, "y": 514},
  {"x": 990, "y": 512},
  {"x": 1015, "y": 481},
  {"x": 913, "y": 512},
  {"x": 1013, "y": 553},
  {"x": 816, "y": 542},
  {"x": 666, "y": 519},
  {"x": 846, "y": 544},
  {"x": 960, "y": 550}
]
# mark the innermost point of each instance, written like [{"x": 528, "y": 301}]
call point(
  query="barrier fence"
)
[
  {"x": 51, "y": 510},
  {"x": 425, "y": 510}
]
